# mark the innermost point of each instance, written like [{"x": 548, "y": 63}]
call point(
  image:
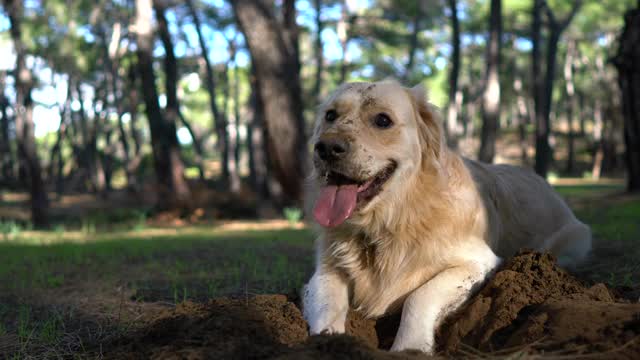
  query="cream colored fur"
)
[{"x": 438, "y": 228}]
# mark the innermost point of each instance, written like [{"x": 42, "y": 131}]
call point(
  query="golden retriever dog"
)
[{"x": 408, "y": 224}]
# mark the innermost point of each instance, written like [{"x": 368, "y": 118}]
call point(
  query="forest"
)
[{"x": 153, "y": 153}]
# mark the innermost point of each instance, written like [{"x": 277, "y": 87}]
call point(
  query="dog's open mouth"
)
[{"x": 341, "y": 195}]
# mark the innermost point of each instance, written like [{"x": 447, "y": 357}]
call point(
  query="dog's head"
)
[{"x": 370, "y": 140}]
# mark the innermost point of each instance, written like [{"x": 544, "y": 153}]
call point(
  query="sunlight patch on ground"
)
[{"x": 36, "y": 237}]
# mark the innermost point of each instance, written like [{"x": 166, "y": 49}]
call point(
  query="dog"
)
[{"x": 406, "y": 223}]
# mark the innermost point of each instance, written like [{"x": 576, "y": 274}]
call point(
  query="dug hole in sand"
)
[{"x": 530, "y": 306}]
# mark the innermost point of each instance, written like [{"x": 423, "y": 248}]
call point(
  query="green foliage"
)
[
  {"x": 10, "y": 228},
  {"x": 293, "y": 215}
]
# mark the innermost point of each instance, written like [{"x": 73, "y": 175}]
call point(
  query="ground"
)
[{"x": 89, "y": 288}]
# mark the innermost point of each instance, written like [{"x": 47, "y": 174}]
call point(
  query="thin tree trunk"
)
[
  {"x": 168, "y": 165},
  {"x": 56, "y": 163},
  {"x": 219, "y": 122},
  {"x": 627, "y": 61},
  {"x": 318, "y": 51},
  {"x": 544, "y": 92},
  {"x": 87, "y": 150},
  {"x": 24, "y": 119},
  {"x": 235, "y": 174},
  {"x": 542, "y": 127},
  {"x": 491, "y": 97},
  {"x": 6, "y": 152},
  {"x": 275, "y": 58},
  {"x": 343, "y": 38},
  {"x": 521, "y": 106},
  {"x": 455, "y": 96},
  {"x": 133, "y": 111},
  {"x": 413, "y": 39},
  {"x": 172, "y": 110},
  {"x": 572, "y": 106},
  {"x": 598, "y": 129},
  {"x": 225, "y": 156}
]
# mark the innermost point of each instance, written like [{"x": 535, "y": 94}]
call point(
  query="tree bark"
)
[
  {"x": 235, "y": 174},
  {"x": 172, "y": 110},
  {"x": 274, "y": 54},
  {"x": 413, "y": 39},
  {"x": 166, "y": 154},
  {"x": 343, "y": 38},
  {"x": 318, "y": 51},
  {"x": 6, "y": 152},
  {"x": 544, "y": 91},
  {"x": 521, "y": 106},
  {"x": 455, "y": 96},
  {"x": 627, "y": 61},
  {"x": 572, "y": 106},
  {"x": 491, "y": 96},
  {"x": 132, "y": 104},
  {"x": 24, "y": 119},
  {"x": 598, "y": 130},
  {"x": 219, "y": 122}
]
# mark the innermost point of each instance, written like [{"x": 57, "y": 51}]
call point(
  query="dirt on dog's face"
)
[{"x": 365, "y": 142}]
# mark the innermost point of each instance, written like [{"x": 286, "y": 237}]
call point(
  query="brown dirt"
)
[{"x": 530, "y": 306}]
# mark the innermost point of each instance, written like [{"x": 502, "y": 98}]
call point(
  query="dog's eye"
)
[
  {"x": 330, "y": 115},
  {"x": 382, "y": 121}
]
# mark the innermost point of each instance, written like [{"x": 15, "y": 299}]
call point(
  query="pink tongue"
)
[{"x": 335, "y": 204}]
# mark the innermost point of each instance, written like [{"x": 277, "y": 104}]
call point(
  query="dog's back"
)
[{"x": 526, "y": 212}]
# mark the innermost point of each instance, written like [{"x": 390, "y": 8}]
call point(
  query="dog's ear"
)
[{"x": 429, "y": 122}]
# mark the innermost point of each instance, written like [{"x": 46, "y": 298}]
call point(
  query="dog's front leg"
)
[
  {"x": 326, "y": 302},
  {"x": 431, "y": 302}
]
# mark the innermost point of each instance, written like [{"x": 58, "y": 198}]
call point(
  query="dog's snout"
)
[{"x": 331, "y": 149}]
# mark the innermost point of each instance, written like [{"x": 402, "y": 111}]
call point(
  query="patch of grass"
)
[
  {"x": 293, "y": 215},
  {"x": 578, "y": 191},
  {"x": 50, "y": 330},
  {"x": 24, "y": 330},
  {"x": 10, "y": 228},
  {"x": 174, "y": 265}
]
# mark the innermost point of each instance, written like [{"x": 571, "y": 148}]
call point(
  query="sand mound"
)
[{"x": 530, "y": 305}]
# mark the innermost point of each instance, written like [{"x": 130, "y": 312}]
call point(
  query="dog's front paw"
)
[
  {"x": 320, "y": 326},
  {"x": 331, "y": 330},
  {"x": 400, "y": 344}
]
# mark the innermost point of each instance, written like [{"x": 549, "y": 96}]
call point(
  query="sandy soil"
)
[{"x": 530, "y": 306}]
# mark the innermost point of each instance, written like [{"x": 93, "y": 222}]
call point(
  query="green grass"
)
[
  {"x": 573, "y": 191},
  {"x": 176, "y": 266}
]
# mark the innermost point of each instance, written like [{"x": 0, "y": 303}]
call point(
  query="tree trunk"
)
[
  {"x": 166, "y": 154},
  {"x": 455, "y": 96},
  {"x": 343, "y": 38},
  {"x": 87, "y": 149},
  {"x": 598, "y": 130},
  {"x": 413, "y": 39},
  {"x": 225, "y": 156},
  {"x": 132, "y": 104},
  {"x": 627, "y": 61},
  {"x": 6, "y": 153},
  {"x": 219, "y": 123},
  {"x": 172, "y": 110},
  {"x": 521, "y": 106},
  {"x": 275, "y": 57},
  {"x": 24, "y": 119},
  {"x": 114, "y": 86},
  {"x": 235, "y": 174},
  {"x": 491, "y": 96},
  {"x": 256, "y": 135},
  {"x": 572, "y": 106},
  {"x": 544, "y": 91},
  {"x": 318, "y": 51}
]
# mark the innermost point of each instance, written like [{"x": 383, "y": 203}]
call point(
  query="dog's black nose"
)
[{"x": 331, "y": 150}]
